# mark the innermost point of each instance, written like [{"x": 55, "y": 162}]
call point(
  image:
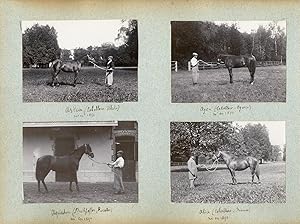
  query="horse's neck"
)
[
  {"x": 78, "y": 154},
  {"x": 226, "y": 157}
]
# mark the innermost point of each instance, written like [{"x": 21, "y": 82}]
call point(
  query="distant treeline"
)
[
  {"x": 40, "y": 47},
  {"x": 209, "y": 39}
]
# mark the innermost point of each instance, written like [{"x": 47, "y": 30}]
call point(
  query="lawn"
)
[
  {"x": 214, "y": 86},
  {"x": 89, "y": 193},
  {"x": 217, "y": 187},
  {"x": 36, "y": 86}
]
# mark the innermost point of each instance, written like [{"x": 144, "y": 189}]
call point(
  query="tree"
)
[
  {"x": 65, "y": 54},
  {"x": 204, "y": 138},
  {"x": 128, "y": 51},
  {"x": 284, "y": 153},
  {"x": 40, "y": 45},
  {"x": 256, "y": 140},
  {"x": 275, "y": 153}
]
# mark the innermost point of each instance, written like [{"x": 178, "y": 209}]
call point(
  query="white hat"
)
[{"x": 195, "y": 54}]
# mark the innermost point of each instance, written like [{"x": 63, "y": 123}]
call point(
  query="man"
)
[
  {"x": 194, "y": 65},
  {"x": 117, "y": 167},
  {"x": 192, "y": 167},
  {"x": 109, "y": 71}
]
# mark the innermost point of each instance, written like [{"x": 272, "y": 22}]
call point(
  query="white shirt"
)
[
  {"x": 194, "y": 62},
  {"x": 118, "y": 163}
]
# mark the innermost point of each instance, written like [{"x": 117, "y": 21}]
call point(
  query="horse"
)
[
  {"x": 68, "y": 163},
  {"x": 66, "y": 66},
  {"x": 239, "y": 165},
  {"x": 234, "y": 61}
]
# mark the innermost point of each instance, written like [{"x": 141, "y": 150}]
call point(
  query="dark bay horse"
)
[
  {"x": 67, "y": 163},
  {"x": 66, "y": 66},
  {"x": 234, "y": 61},
  {"x": 239, "y": 165}
]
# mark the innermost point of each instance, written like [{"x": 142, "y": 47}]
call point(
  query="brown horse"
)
[
  {"x": 239, "y": 165},
  {"x": 66, "y": 66},
  {"x": 67, "y": 163},
  {"x": 234, "y": 61}
]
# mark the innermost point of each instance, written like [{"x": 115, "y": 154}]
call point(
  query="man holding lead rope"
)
[
  {"x": 117, "y": 167},
  {"x": 109, "y": 71},
  {"x": 194, "y": 67}
]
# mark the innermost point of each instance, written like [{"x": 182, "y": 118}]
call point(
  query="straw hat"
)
[{"x": 195, "y": 54}]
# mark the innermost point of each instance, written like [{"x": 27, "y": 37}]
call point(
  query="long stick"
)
[
  {"x": 204, "y": 62},
  {"x": 97, "y": 65}
]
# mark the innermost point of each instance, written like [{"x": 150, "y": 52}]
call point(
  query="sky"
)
[
  {"x": 276, "y": 130},
  {"x": 247, "y": 26},
  {"x": 73, "y": 34}
]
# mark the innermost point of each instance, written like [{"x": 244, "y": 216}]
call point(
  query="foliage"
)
[
  {"x": 256, "y": 140},
  {"x": 209, "y": 40},
  {"x": 204, "y": 138},
  {"x": 275, "y": 154},
  {"x": 40, "y": 45},
  {"x": 284, "y": 152},
  {"x": 65, "y": 54}
]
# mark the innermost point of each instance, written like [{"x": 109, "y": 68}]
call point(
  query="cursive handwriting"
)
[{"x": 223, "y": 110}]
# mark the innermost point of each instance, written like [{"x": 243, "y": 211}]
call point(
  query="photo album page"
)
[{"x": 150, "y": 111}]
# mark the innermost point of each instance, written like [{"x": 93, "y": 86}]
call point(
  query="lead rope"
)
[{"x": 210, "y": 169}]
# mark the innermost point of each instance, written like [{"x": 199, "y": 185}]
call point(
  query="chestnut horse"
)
[
  {"x": 66, "y": 66},
  {"x": 234, "y": 61},
  {"x": 239, "y": 165},
  {"x": 67, "y": 163}
]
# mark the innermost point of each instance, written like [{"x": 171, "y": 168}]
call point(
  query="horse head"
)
[
  {"x": 218, "y": 156},
  {"x": 88, "y": 150}
]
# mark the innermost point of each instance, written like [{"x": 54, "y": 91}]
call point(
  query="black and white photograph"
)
[
  {"x": 80, "y": 162},
  {"x": 80, "y": 61},
  {"x": 228, "y": 162},
  {"x": 228, "y": 61}
]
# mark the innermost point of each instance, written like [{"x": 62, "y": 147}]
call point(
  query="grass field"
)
[
  {"x": 217, "y": 187},
  {"x": 89, "y": 193},
  {"x": 36, "y": 86},
  {"x": 214, "y": 86}
]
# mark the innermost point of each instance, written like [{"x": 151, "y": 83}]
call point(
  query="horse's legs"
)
[
  {"x": 232, "y": 175},
  {"x": 39, "y": 187},
  {"x": 55, "y": 79},
  {"x": 252, "y": 173},
  {"x": 43, "y": 181},
  {"x": 230, "y": 74},
  {"x": 76, "y": 181},
  {"x": 70, "y": 186},
  {"x": 75, "y": 78}
]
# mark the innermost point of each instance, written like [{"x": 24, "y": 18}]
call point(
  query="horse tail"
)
[
  {"x": 38, "y": 170},
  {"x": 42, "y": 167}
]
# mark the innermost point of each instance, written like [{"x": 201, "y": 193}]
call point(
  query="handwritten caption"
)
[
  {"x": 89, "y": 111},
  {"x": 223, "y": 110},
  {"x": 80, "y": 214},
  {"x": 222, "y": 214}
]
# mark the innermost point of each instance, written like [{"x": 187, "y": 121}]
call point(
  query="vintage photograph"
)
[
  {"x": 80, "y": 162},
  {"x": 228, "y": 61},
  {"x": 228, "y": 162},
  {"x": 80, "y": 61}
]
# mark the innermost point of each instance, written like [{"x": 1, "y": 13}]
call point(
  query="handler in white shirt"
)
[
  {"x": 194, "y": 65},
  {"x": 192, "y": 167},
  {"x": 117, "y": 167}
]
